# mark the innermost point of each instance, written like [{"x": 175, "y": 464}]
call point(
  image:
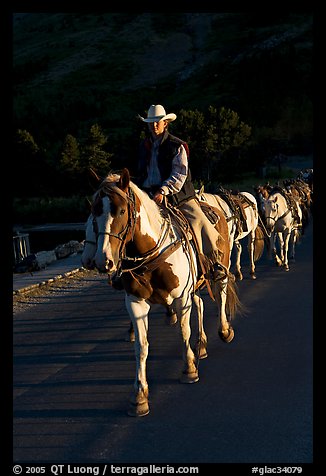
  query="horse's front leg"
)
[
  {"x": 271, "y": 246},
  {"x": 292, "y": 243},
  {"x": 285, "y": 248},
  {"x": 190, "y": 371},
  {"x": 138, "y": 312},
  {"x": 281, "y": 242},
  {"x": 238, "y": 251},
  {"x": 277, "y": 236},
  {"x": 251, "y": 250},
  {"x": 130, "y": 335}
]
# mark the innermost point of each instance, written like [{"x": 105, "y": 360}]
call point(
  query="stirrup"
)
[{"x": 217, "y": 272}]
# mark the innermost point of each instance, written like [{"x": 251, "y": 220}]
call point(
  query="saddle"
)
[
  {"x": 290, "y": 201},
  {"x": 237, "y": 204},
  {"x": 217, "y": 218}
]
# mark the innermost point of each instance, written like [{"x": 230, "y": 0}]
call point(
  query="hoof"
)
[
  {"x": 189, "y": 377},
  {"x": 238, "y": 276},
  {"x": 138, "y": 404},
  {"x": 130, "y": 336},
  {"x": 201, "y": 352},
  {"x": 227, "y": 336},
  {"x": 253, "y": 276},
  {"x": 286, "y": 268},
  {"x": 171, "y": 319},
  {"x": 142, "y": 409}
]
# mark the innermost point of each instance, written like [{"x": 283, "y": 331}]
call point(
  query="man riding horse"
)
[{"x": 163, "y": 171}]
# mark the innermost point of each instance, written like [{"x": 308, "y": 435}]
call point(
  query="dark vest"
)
[{"x": 167, "y": 151}]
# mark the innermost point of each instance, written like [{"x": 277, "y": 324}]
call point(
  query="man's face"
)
[{"x": 157, "y": 128}]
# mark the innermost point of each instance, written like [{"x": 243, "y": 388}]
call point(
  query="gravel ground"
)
[{"x": 22, "y": 302}]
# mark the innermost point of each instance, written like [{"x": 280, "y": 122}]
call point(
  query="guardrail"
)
[{"x": 21, "y": 248}]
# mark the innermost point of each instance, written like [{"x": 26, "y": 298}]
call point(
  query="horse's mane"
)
[{"x": 109, "y": 185}]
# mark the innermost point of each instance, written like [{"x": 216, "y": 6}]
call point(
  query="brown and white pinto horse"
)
[{"x": 158, "y": 265}]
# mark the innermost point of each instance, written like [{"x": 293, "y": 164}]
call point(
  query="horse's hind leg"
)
[
  {"x": 201, "y": 350},
  {"x": 274, "y": 238},
  {"x": 238, "y": 249},
  {"x": 225, "y": 331},
  {"x": 171, "y": 316}
]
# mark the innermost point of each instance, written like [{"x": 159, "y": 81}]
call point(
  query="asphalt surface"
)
[{"x": 74, "y": 371}]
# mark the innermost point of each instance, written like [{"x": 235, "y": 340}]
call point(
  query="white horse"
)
[
  {"x": 158, "y": 266},
  {"x": 281, "y": 223},
  {"x": 253, "y": 230}
]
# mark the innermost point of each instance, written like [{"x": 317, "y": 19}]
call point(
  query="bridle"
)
[
  {"x": 147, "y": 261},
  {"x": 130, "y": 225},
  {"x": 276, "y": 218}
]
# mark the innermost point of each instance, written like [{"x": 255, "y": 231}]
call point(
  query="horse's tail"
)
[
  {"x": 259, "y": 243},
  {"x": 233, "y": 304}
]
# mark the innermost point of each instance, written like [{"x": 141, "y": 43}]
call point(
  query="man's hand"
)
[{"x": 158, "y": 198}]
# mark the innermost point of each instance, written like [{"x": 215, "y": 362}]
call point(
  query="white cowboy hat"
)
[{"x": 157, "y": 113}]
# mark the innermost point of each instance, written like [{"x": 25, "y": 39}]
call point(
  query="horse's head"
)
[
  {"x": 112, "y": 221},
  {"x": 271, "y": 207}
]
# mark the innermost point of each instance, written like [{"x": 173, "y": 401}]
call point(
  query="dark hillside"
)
[{"x": 72, "y": 70}]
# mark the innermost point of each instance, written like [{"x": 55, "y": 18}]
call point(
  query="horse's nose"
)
[
  {"x": 88, "y": 264},
  {"x": 106, "y": 266}
]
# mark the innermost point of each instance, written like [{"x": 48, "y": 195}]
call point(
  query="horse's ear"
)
[
  {"x": 124, "y": 180},
  {"x": 89, "y": 203},
  {"x": 94, "y": 178}
]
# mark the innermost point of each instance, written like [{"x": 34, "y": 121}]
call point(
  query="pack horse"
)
[
  {"x": 129, "y": 234},
  {"x": 283, "y": 221},
  {"x": 241, "y": 224}
]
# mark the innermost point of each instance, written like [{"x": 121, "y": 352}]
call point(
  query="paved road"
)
[{"x": 73, "y": 373}]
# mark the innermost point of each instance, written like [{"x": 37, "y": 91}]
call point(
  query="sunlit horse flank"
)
[
  {"x": 280, "y": 222},
  {"x": 253, "y": 231},
  {"x": 132, "y": 234}
]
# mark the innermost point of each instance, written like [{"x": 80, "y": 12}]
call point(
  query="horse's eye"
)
[{"x": 122, "y": 212}]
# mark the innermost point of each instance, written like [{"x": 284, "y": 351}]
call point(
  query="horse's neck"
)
[
  {"x": 281, "y": 200},
  {"x": 283, "y": 208},
  {"x": 149, "y": 230}
]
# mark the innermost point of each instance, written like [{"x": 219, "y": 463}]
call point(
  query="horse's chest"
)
[{"x": 155, "y": 286}]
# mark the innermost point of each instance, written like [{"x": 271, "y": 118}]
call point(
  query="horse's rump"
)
[
  {"x": 259, "y": 242},
  {"x": 222, "y": 228}
]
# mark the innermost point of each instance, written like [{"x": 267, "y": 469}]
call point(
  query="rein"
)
[
  {"x": 149, "y": 260},
  {"x": 282, "y": 216},
  {"x": 123, "y": 233},
  {"x": 149, "y": 255}
]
